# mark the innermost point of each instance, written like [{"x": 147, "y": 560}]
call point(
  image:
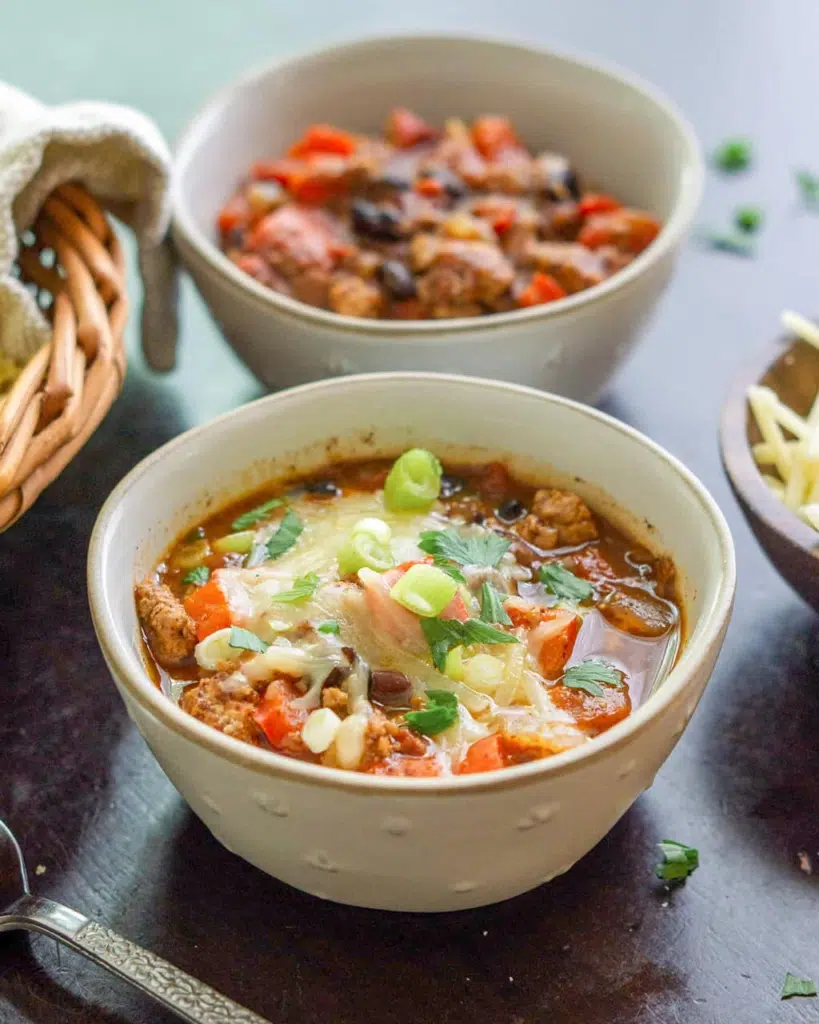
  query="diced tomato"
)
[
  {"x": 504, "y": 219},
  {"x": 629, "y": 230},
  {"x": 405, "y": 128},
  {"x": 282, "y": 171},
  {"x": 408, "y": 767},
  {"x": 596, "y": 202},
  {"x": 234, "y": 214},
  {"x": 208, "y": 607},
  {"x": 484, "y": 755},
  {"x": 430, "y": 187},
  {"x": 541, "y": 289},
  {"x": 492, "y": 135},
  {"x": 593, "y": 714},
  {"x": 276, "y": 716},
  {"x": 323, "y": 138},
  {"x": 501, "y": 213},
  {"x": 315, "y": 188}
]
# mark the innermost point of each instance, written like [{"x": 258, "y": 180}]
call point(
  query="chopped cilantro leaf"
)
[
  {"x": 286, "y": 536},
  {"x": 444, "y": 634},
  {"x": 449, "y": 568},
  {"x": 733, "y": 155},
  {"x": 482, "y": 549},
  {"x": 793, "y": 986},
  {"x": 591, "y": 675},
  {"x": 748, "y": 219},
  {"x": 330, "y": 626},
  {"x": 561, "y": 582},
  {"x": 255, "y": 515},
  {"x": 492, "y": 609},
  {"x": 808, "y": 184},
  {"x": 244, "y": 640},
  {"x": 440, "y": 713},
  {"x": 678, "y": 862},
  {"x": 303, "y": 587},
  {"x": 198, "y": 576}
]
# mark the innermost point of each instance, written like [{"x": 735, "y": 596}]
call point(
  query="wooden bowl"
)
[
  {"x": 72, "y": 261},
  {"x": 791, "y": 368}
]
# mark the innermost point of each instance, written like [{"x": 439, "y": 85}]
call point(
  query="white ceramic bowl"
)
[
  {"x": 618, "y": 131},
  {"x": 395, "y": 843}
]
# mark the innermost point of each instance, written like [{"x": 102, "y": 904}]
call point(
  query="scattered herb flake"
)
[
  {"x": 441, "y": 713},
  {"x": 450, "y": 568},
  {"x": 255, "y": 515},
  {"x": 444, "y": 634},
  {"x": 728, "y": 241},
  {"x": 679, "y": 861},
  {"x": 591, "y": 675},
  {"x": 561, "y": 582},
  {"x": 330, "y": 626},
  {"x": 808, "y": 184},
  {"x": 286, "y": 536},
  {"x": 486, "y": 548},
  {"x": 492, "y": 609},
  {"x": 733, "y": 155},
  {"x": 793, "y": 986},
  {"x": 303, "y": 588},
  {"x": 748, "y": 219},
  {"x": 244, "y": 640},
  {"x": 197, "y": 577}
]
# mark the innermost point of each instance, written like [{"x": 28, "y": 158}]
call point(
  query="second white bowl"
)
[{"x": 619, "y": 132}]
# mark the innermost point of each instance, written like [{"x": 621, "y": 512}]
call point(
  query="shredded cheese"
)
[{"x": 790, "y": 443}]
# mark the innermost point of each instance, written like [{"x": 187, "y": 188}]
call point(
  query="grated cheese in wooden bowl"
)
[{"x": 788, "y": 454}]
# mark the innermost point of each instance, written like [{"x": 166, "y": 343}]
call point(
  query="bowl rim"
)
[
  {"x": 126, "y": 665},
  {"x": 738, "y": 462},
  {"x": 185, "y": 229}
]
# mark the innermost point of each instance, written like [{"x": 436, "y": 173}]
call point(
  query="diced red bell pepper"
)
[
  {"x": 541, "y": 289},
  {"x": 234, "y": 214},
  {"x": 492, "y": 135},
  {"x": 323, "y": 138},
  {"x": 430, "y": 187},
  {"x": 282, "y": 171},
  {"x": 406, "y": 129},
  {"x": 209, "y": 609},
  {"x": 595, "y": 202},
  {"x": 484, "y": 755}
]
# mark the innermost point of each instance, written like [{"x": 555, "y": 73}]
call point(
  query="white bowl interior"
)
[
  {"x": 453, "y": 416},
  {"x": 622, "y": 137}
]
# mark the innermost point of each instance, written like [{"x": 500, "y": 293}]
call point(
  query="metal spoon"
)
[{"x": 174, "y": 989}]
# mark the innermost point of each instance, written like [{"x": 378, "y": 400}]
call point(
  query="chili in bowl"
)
[{"x": 329, "y": 677}]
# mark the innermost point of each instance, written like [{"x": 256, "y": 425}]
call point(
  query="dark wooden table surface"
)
[{"x": 103, "y": 827}]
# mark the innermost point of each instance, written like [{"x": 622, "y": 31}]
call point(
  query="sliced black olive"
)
[
  {"x": 392, "y": 689},
  {"x": 398, "y": 279},
  {"x": 451, "y": 485},
  {"x": 511, "y": 510},
  {"x": 322, "y": 488}
]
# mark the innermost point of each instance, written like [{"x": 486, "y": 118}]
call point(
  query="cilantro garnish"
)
[
  {"x": 198, "y": 576},
  {"x": 449, "y": 568},
  {"x": 733, "y": 155},
  {"x": 444, "y": 634},
  {"x": 330, "y": 626},
  {"x": 303, "y": 587},
  {"x": 483, "y": 549},
  {"x": 808, "y": 184},
  {"x": 561, "y": 582},
  {"x": 283, "y": 539},
  {"x": 244, "y": 640},
  {"x": 678, "y": 862},
  {"x": 255, "y": 515},
  {"x": 441, "y": 713},
  {"x": 728, "y": 241},
  {"x": 793, "y": 986},
  {"x": 591, "y": 675},
  {"x": 492, "y": 609},
  {"x": 748, "y": 219}
]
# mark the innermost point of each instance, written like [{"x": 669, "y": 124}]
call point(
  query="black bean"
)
[
  {"x": 451, "y": 485},
  {"x": 392, "y": 689},
  {"x": 376, "y": 222},
  {"x": 511, "y": 510},
  {"x": 365, "y": 216},
  {"x": 389, "y": 225},
  {"x": 235, "y": 238},
  {"x": 323, "y": 488},
  {"x": 397, "y": 279}
]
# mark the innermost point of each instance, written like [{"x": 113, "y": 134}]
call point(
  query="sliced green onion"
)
[
  {"x": 235, "y": 543},
  {"x": 748, "y": 219},
  {"x": 424, "y": 590},
  {"x": 330, "y": 626},
  {"x": 454, "y": 664},
  {"x": 367, "y": 547},
  {"x": 414, "y": 481}
]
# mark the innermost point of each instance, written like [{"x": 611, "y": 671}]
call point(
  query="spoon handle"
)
[{"x": 177, "y": 991}]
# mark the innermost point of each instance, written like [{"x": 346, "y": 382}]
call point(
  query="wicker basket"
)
[{"x": 73, "y": 259}]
